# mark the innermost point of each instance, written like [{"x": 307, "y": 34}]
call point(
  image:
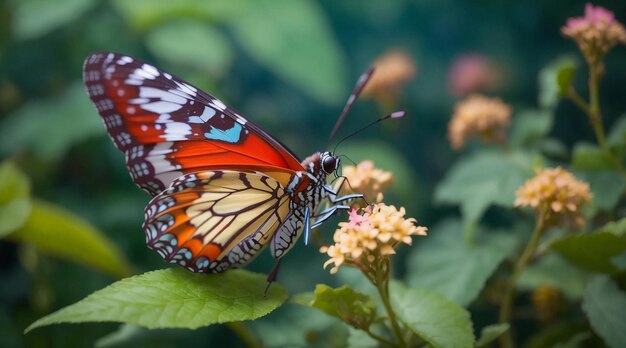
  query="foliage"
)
[
  {"x": 70, "y": 218},
  {"x": 174, "y": 298}
]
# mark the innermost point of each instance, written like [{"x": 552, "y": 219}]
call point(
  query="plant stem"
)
[
  {"x": 592, "y": 109},
  {"x": 382, "y": 285},
  {"x": 595, "y": 115},
  {"x": 506, "y": 339},
  {"x": 578, "y": 100},
  {"x": 380, "y": 339}
]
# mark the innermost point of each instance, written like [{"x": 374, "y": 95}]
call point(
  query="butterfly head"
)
[{"x": 329, "y": 162}]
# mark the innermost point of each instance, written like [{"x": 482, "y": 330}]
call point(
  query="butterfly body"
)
[{"x": 223, "y": 188}]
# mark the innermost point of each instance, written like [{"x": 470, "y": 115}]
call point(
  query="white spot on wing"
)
[
  {"x": 150, "y": 70},
  {"x": 163, "y": 118},
  {"x": 161, "y": 107},
  {"x": 206, "y": 115},
  {"x": 138, "y": 100},
  {"x": 151, "y": 92},
  {"x": 142, "y": 74},
  {"x": 175, "y": 131},
  {"x": 218, "y": 104},
  {"x": 240, "y": 119},
  {"x": 185, "y": 88}
]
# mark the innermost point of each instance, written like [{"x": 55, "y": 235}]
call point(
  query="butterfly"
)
[{"x": 223, "y": 188}]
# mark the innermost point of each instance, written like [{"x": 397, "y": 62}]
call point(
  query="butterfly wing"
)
[
  {"x": 167, "y": 127},
  {"x": 215, "y": 220}
]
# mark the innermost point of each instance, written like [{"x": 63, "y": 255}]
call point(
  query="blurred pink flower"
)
[
  {"x": 394, "y": 69},
  {"x": 595, "y": 33},
  {"x": 471, "y": 73}
]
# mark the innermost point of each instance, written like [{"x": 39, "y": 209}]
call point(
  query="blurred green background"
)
[{"x": 289, "y": 66}]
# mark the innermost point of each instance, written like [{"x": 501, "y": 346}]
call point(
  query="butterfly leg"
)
[
  {"x": 326, "y": 214},
  {"x": 307, "y": 225},
  {"x": 332, "y": 194},
  {"x": 272, "y": 276}
]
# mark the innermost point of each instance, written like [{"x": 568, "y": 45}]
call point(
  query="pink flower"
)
[
  {"x": 598, "y": 14},
  {"x": 470, "y": 73},
  {"x": 358, "y": 221},
  {"x": 595, "y": 33}
]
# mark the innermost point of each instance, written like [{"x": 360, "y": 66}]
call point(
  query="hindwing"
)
[{"x": 215, "y": 220}]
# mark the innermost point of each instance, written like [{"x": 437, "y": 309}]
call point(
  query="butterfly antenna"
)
[
  {"x": 396, "y": 114},
  {"x": 356, "y": 91}
]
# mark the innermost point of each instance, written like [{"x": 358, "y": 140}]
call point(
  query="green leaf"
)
[
  {"x": 59, "y": 232},
  {"x": 353, "y": 307},
  {"x": 34, "y": 18},
  {"x": 296, "y": 44},
  {"x": 575, "y": 341},
  {"x": 14, "y": 198},
  {"x": 594, "y": 251},
  {"x": 605, "y": 303},
  {"x": 360, "y": 339},
  {"x": 143, "y": 14},
  {"x": 565, "y": 77},
  {"x": 590, "y": 157},
  {"x": 530, "y": 127},
  {"x": 555, "y": 79},
  {"x": 490, "y": 333},
  {"x": 484, "y": 179},
  {"x": 606, "y": 187},
  {"x": 439, "y": 321},
  {"x": 553, "y": 270},
  {"x": 294, "y": 40},
  {"x": 174, "y": 298},
  {"x": 42, "y": 126},
  {"x": 617, "y": 134},
  {"x": 296, "y": 326},
  {"x": 593, "y": 165},
  {"x": 562, "y": 334},
  {"x": 461, "y": 272},
  {"x": 192, "y": 43}
]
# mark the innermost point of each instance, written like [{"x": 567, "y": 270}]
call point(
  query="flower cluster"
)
[
  {"x": 481, "y": 117},
  {"x": 471, "y": 73},
  {"x": 595, "y": 33},
  {"x": 557, "y": 194},
  {"x": 371, "y": 235},
  {"x": 393, "y": 69},
  {"x": 366, "y": 179}
]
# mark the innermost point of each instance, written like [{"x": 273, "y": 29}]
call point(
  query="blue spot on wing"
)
[{"x": 231, "y": 135}]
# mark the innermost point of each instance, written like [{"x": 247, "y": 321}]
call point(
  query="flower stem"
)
[
  {"x": 382, "y": 285},
  {"x": 595, "y": 115},
  {"x": 506, "y": 339},
  {"x": 592, "y": 109},
  {"x": 380, "y": 339},
  {"x": 578, "y": 100}
]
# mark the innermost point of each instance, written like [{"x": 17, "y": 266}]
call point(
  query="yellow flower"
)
[
  {"x": 366, "y": 179},
  {"x": 374, "y": 233},
  {"x": 393, "y": 69},
  {"x": 556, "y": 193},
  {"x": 481, "y": 117},
  {"x": 595, "y": 33},
  {"x": 548, "y": 302}
]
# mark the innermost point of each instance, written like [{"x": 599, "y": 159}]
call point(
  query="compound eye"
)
[{"x": 329, "y": 164}]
